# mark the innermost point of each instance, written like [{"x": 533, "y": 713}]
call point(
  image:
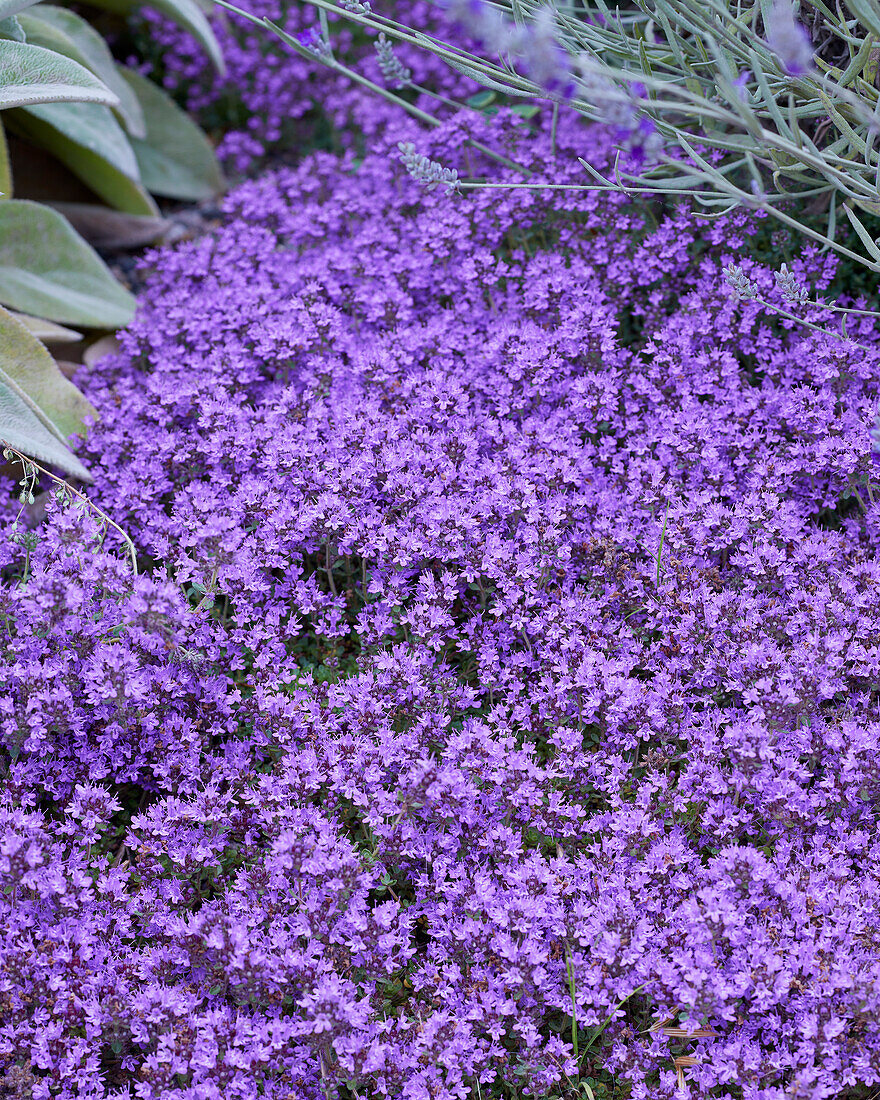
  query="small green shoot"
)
[{"x": 66, "y": 492}]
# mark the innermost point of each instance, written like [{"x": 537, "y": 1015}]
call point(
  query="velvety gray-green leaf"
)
[
  {"x": 186, "y": 13},
  {"x": 19, "y": 428},
  {"x": 39, "y": 407},
  {"x": 46, "y": 331},
  {"x": 9, "y": 8},
  {"x": 5, "y": 168},
  {"x": 175, "y": 159},
  {"x": 111, "y": 229},
  {"x": 11, "y": 28},
  {"x": 89, "y": 140},
  {"x": 32, "y": 74},
  {"x": 29, "y": 366},
  {"x": 47, "y": 270},
  {"x": 93, "y": 127},
  {"x": 69, "y": 34}
]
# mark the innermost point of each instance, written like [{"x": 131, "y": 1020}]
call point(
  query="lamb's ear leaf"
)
[
  {"x": 48, "y": 270},
  {"x": 87, "y": 138},
  {"x": 5, "y": 167},
  {"x": 11, "y": 28},
  {"x": 46, "y": 331},
  {"x": 39, "y": 407},
  {"x": 175, "y": 158},
  {"x": 69, "y": 34},
  {"x": 19, "y": 428},
  {"x": 186, "y": 13},
  {"x": 110, "y": 229},
  {"x": 9, "y": 8},
  {"x": 32, "y": 74}
]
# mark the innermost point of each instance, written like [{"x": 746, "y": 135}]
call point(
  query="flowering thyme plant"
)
[{"x": 494, "y": 712}]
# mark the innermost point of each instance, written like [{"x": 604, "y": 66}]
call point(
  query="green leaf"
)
[
  {"x": 88, "y": 139},
  {"x": 69, "y": 34},
  {"x": 867, "y": 14},
  {"x": 481, "y": 78},
  {"x": 175, "y": 159},
  {"x": 864, "y": 236},
  {"x": 5, "y": 170},
  {"x": 481, "y": 100},
  {"x": 35, "y": 372},
  {"x": 186, "y": 13},
  {"x": 9, "y": 8},
  {"x": 39, "y": 408},
  {"x": 32, "y": 74},
  {"x": 46, "y": 331},
  {"x": 88, "y": 125},
  {"x": 110, "y": 229},
  {"x": 872, "y": 206},
  {"x": 47, "y": 270},
  {"x": 11, "y": 28}
]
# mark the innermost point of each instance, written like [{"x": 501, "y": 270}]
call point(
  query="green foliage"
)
[
  {"x": 31, "y": 74},
  {"x": 62, "y": 91},
  {"x": 174, "y": 158},
  {"x": 39, "y": 408},
  {"x": 87, "y": 138},
  {"x": 105, "y": 137},
  {"x": 69, "y": 34},
  {"x": 48, "y": 270}
]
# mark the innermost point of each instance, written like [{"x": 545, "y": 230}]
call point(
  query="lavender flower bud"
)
[
  {"x": 482, "y": 22},
  {"x": 741, "y": 85},
  {"x": 792, "y": 290},
  {"x": 313, "y": 41},
  {"x": 760, "y": 196},
  {"x": 394, "y": 71},
  {"x": 743, "y": 287},
  {"x": 543, "y": 60},
  {"x": 788, "y": 39},
  {"x": 428, "y": 172},
  {"x": 637, "y": 134},
  {"x": 643, "y": 142}
]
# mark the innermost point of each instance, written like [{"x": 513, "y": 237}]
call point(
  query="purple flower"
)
[
  {"x": 542, "y": 59},
  {"x": 741, "y": 83},
  {"x": 534, "y": 45},
  {"x": 788, "y": 38},
  {"x": 537, "y": 678},
  {"x": 643, "y": 142},
  {"x": 875, "y": 435}
]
